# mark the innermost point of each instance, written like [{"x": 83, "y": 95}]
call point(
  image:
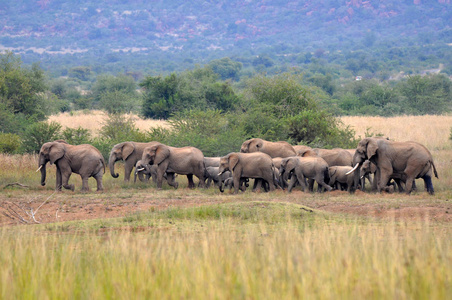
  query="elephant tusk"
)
[
  {"x": 352, "y": 170},
  {"x": 139, "y": 170},
  {"x": 40, "y": 167},
  {"x": 362, "y": 177}
]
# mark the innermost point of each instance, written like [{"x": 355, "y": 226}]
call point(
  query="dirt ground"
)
[{"x": 49, "y": 207}]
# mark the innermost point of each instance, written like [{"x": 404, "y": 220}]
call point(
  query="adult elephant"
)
[
  {"x": 302, "y": 168},
  {"x": 335, "y": 157},
  {"x": 130, "y": 153},
  {"x": 403, "y": 160},
  {"x": 274, "y": 149},
  {"x": 256, "y": 165},
  {"x": 84, "y": 160},
  {"x": 301, "y": 149},
  {"x": 185, "y": 161}
]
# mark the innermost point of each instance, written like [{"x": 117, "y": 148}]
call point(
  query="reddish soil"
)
[{"x": 65, "y": 206}]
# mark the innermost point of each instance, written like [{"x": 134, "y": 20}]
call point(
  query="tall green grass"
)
[{"x": 252, "y": 251}]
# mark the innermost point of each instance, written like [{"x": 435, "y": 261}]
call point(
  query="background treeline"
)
[{"x": 209, "y": 107}]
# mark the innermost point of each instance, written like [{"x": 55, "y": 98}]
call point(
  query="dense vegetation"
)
[{"x": 204, "y": 110}]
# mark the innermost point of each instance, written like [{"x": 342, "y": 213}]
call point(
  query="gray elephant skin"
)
[
  {"x": 85, "y": 160},
  {"x": 130, "y": 153},
  {"x": 185, "y": 161},
  {"x": 338, "y": 174},
  {"x": 212, "y": 174},
  {"x": 274, "y": 149},
  {"x": 302, "y": 168},
  {"x": 404, "y": 160},
  {"x": 256, "y": 165}
]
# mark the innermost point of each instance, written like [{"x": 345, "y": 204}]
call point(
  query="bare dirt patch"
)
[{"x": 67, "y": 206}]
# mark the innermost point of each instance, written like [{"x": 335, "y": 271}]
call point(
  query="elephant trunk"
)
[
  {"x": 111, "y": 166},
  {"x": 43, "y": 174}
]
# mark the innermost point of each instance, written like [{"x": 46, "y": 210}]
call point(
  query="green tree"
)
[
  {"x": 196, "y": 89},
  {"x": 39, "y": 133},
  {"x": 427, "y": 94},
  {"x": 20, "y": 93},
  {"x": 226, "y": 68}
]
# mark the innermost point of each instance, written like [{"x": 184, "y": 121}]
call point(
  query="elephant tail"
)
[
  {"x": 434, "y": 169},
  {"x": 103, "y": 163}
]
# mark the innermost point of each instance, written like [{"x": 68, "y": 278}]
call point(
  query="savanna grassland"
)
[{"x": 133, "y": 241}]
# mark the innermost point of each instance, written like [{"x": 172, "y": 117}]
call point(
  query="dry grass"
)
[
  {"x": 93, "y": 120},
  {"x": 431, "y": 131}
]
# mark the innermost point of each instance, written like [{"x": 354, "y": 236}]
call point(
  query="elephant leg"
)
[
  {"x": 428, "y": 184},
  {"x": 322, "y": 185},
  {"x": 191, "y": 183},
  {"x": 236, "y": 183},
  {"x": 292, "y": 183},
  {"x": 209, "y": 182},
  {"x": 85, "y": 186},
  {"x": 257, "y": 184},
  {"x": 59, "y": 183},
  {"x": 311, "y": 184},
  {"x": 65, "y": 181},
  {"x": 98, "y": 178},
  {"x": 128, "y": 167},
  {"x": 171, "y": 179}
]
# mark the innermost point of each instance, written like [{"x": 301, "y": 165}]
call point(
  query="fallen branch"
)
[
  {"x": 15, "y": 184},
  {"x": 13, "y": 214}
]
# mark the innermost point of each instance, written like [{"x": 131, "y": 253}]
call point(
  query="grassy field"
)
[{"x": 133, "y": 241}]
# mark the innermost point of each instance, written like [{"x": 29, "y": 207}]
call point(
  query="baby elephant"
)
[
  {"x": 143, "y": 172},
  {"x": 338, "y": 175},
  {"x": 211, "y": 174}
]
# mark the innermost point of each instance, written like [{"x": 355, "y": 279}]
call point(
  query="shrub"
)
[
  {"x": 211, "y": 131},
  {"x": 119, "y": 128},
  {"x": 38, "y": 134},
  {"x": 76, "y": 136},
  {"x": 9, "y": 143},
  {"x": 320, "y": 129}
]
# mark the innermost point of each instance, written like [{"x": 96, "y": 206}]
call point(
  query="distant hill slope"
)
[{"x": 164, "y": 25}]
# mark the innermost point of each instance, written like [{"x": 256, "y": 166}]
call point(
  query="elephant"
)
[
  {"x": 211, "y": 161},
  {"x": 144, "y": 172},
  {"x": 301, "y": 149},
  {"x": 130, "y": 153},
  {"x": 402, "y": 160},
  {"x": 338, "y": 175},
  {"x": 85, "y": 160},
  {"x": 313, "y": 168},
  {"x": 211, "y": 174},
  {"x": 274, "y": 149},
  {"x": 335, "y": 157},
  {"x": 229, "y": 183},
  {"x": 248, "y": 165},
  {"x": 185, "y": 161},
  {"x": 367, "y": 170}
]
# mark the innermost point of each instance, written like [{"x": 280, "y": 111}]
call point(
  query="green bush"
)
[
  {"x": 76, "y": 136},
  {"x": 119, "y": 128},
  {"x": 214, "y": 133},
  {"x": 38, "y": 134},
  {"x": 9, "y": 143},
  {"x": 320, "y": 129}
]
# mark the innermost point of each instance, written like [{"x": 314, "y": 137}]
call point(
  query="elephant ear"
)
[
  {"x": 127, "y": 150},
  {"x": 291, "y": 163},
  {"x": 257, "y": 145},
  {"x": 161, "y": 153},
  {"x": 372, "y": 148},
  {"x": 56, "y": 151},
  {"x": 245, "y": 146},
  {"x": 233, "y": 161}
]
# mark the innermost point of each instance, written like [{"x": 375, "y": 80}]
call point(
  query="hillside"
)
[{"x": 201, "y": 30}]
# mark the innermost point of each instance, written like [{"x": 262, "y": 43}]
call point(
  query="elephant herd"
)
[{"x": 272, "y": 165}]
